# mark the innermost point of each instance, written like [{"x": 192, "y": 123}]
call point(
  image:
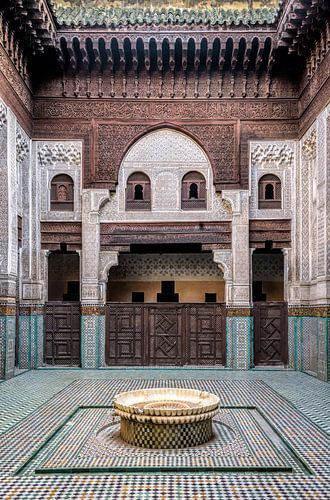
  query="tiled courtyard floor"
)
[{"x": 272, "y": 439}]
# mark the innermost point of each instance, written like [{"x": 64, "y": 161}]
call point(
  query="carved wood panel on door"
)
[
  {"x": 165, "y": 334},
  {"x": 270, "y": 333},
  {"x": 62, "y": 333}
]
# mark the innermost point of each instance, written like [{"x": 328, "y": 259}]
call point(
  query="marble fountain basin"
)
[{"x": 166, "y": 417}]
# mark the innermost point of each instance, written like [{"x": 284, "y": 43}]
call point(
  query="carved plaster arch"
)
[
  {"x": 176, "y": 134},
  {"x": 160, "y": 127},
  {"x": 107, "y": 260},
  {"x": 223, "y": 258}
]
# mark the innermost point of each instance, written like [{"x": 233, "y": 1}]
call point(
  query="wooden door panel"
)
[
  {"x": 165, "y": 334},
  {"x": 125, "y": 333},
  {"x": 62, "y": 333},
  {"x": 205, "y": 335},
  {"x": 270, "y": 333}
]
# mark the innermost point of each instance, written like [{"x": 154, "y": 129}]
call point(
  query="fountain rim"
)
[{"x": 207, "y": 401}]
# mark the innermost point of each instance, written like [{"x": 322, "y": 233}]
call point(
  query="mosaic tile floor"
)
[{"x": 53, "y": 420}]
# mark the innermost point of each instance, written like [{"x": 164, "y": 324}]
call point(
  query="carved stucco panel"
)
[
  {"x": 3, "y": 189},
  {"x": 54, "y": 158},
  {"x": 165, "y": 156},
  {"x": 12, "y": 194},
  {"x": 272, "y": 157},
  {"x": 23, "y": 157},
  {"x": 165, "y": 146},
  {"x": 91, "y": 289},
  {"x": 155, "y": 267}
]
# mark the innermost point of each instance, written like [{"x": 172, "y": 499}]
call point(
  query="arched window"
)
[
  {"x": 61, "y": 194},
  {"x": 193, "y": 192},
  {"x": 269, "y": 192},
  {"x": 138, "y": 192}
]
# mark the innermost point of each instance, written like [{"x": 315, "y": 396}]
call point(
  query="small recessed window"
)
[
  {"x": 193, "y": 192},
  {"x": 61, "y": 194},
  {"x": 269, "y": 192},
  {"x": 138, "y": 192}
]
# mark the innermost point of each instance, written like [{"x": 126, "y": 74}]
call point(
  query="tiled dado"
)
[
  {"x": 239, "y": 338},
  {"x": 7, "y": 339},
  {"x": 92, "y": 336},
  {"x": 309, "y": 349}
]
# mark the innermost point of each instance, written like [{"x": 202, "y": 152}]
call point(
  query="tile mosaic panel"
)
[
  {"x": 90, "y": 441},
  {"x": 239, "y": 333},
  {"x": 310, "y": 443},
  {"x": 30, "y": 341},
  {"x": 93, "y": 341}
]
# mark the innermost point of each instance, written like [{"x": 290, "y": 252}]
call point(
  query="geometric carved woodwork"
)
[
  {"x": 114, "y": 236},
  {"x": 54, "y": 233},
  {"x": 165, "y": 334},
  {"x": 278, "y": 231},
  {"x": 270, "y": 333},
  {"x": 62, "y": 334}
]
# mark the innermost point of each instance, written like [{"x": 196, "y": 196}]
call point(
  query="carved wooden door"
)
[
  {"x": 62, "y": 333},
  {"x": 165, "y": 334},
  {"x": 270, "y": 333},
  {"x": 205, "y": 334},
  {"x": 125, "y": 334}
]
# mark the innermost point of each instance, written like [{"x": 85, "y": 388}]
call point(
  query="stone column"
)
[
  {"x": 239, "y": 316},
  {"x": 92, "y": 294},
  {"x": 8, "y": 241}
]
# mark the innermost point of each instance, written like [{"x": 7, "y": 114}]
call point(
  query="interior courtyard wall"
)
[{"x": 310, "y": 290}]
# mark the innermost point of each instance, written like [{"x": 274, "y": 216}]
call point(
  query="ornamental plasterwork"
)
[
  {"x": 22, "y": 145},
  {"x": 22, "y": 155},
  {"x": 192, "y": 267},
  {"x": 224, "y": 260},
  {"x": 52, "y": 153},
  {"x": 309, "y": 146},
  {"x": 3, "y": 115},
  {"x": 107, "y": 260},
  {"x": 165, "y": 156},
  {"x": 272, "y": 157},
  {"x": 54, "y": 158},
  {"x": 274, "y": 153}
]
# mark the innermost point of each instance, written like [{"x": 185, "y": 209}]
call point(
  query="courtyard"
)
[{"x": 59, "y": 437}]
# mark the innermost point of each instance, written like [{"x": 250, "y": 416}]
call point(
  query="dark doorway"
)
[
  {"x": 63, "y": 277},
  {"x": 270, "y": 310},
  {"x": 62, "y": 311}
]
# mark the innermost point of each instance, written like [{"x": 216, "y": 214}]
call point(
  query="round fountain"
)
[{"x": 166, "y": 418}]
